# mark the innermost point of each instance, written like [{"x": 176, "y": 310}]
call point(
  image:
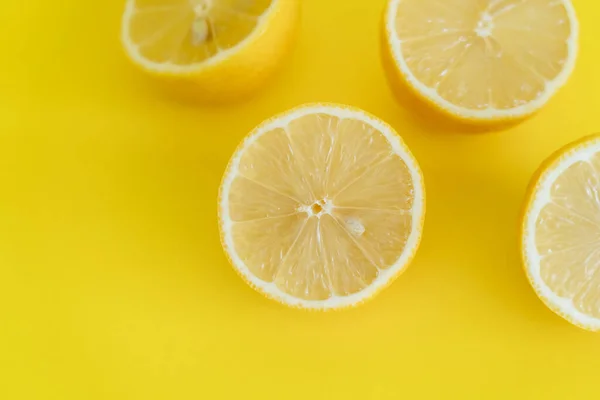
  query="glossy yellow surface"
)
[{"x": 113, "y": 284}]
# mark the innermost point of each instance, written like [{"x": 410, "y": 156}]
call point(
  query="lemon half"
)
[
  {"x": 561, "y": 233},
  {"x": 222, "y": 49},
  {"x": 480, "y": 60},
  {"x": 321, "y": 207}
]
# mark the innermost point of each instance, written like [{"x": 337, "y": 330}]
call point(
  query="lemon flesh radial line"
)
[
  {"x": 385, "y": 275},
  {"x": 533, "y": 259}
]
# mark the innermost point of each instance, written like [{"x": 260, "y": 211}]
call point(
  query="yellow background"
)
[{"x": 113, "y": 284}]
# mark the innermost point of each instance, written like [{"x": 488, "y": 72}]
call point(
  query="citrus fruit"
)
[
  {"x": 321, "y": 207},
  {"x": 221, "y": 49},
  {"x": 561, "y": 233},
  {"x": 481, "y": 61}
]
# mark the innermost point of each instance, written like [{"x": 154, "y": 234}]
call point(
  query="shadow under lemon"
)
[{"x": 186, "y": 90}]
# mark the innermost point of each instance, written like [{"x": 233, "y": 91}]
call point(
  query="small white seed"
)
[{"x": 355, "y": 227}]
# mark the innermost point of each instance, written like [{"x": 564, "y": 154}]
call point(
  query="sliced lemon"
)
[
  {"x": 321, "y": 207},
  {"x": 481, "y": 60},
  {"x": 225, "y": 48},
  {"x": 560, "y": 238}
]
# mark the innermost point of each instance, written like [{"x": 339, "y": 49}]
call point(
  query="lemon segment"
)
[
  {"x": 482, "y": 60},
  {"x": 321, "y": 207}
]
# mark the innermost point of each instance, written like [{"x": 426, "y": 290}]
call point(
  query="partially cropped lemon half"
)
[
  {"x": 480, "y": 61},
  {"x": 560, "y": 233},
  {"x": 222, "y": 50},
  {"x": 321, "y": 207}
]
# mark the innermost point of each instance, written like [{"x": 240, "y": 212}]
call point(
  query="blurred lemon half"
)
[{"x": 222, "y": 50}]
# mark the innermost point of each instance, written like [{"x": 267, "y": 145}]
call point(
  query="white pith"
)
[{"x": 385, "y": 275}]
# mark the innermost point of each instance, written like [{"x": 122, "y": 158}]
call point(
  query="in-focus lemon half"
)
[
  {"x": 560, "y": 238},
  {"x": 480, "y": 60},
  {"x": 224, "y": 49},
  {"x": 321, "y": 207}
]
